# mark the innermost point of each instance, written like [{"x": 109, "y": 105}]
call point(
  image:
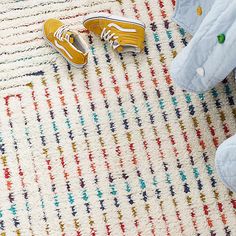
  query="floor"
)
[{"x": 114, "y": 148}]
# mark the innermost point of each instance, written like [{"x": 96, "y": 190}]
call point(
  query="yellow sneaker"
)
[
  {"x": 67, "y": 42},
  {"x": 124, "y": 34}
]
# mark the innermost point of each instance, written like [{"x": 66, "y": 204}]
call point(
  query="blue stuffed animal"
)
[
  {"x": 208, "y": 59},
  {"x": 199, "y": 66}
]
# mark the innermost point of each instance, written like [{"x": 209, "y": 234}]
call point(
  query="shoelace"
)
[
  {"x": 111, "y": 38},
  {"x": 60, "y": 31}
]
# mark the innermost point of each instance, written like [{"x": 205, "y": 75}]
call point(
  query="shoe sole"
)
[
  {"x": 93, "y": 16},
  {"x": 52, "y": 45}
]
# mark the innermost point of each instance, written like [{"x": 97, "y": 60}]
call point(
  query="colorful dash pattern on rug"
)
[{"x": 114, "y": 148}]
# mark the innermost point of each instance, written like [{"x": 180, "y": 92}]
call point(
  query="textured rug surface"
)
[{"x": 115, "y": 148}]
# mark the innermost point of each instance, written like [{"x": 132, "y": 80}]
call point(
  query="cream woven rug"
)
[{"x": 115, "y": 148}]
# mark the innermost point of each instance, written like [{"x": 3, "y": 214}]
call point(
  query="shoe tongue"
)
[{"x": 69, "y": 36}]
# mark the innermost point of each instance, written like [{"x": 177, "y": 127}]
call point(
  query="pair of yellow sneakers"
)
[{"x": 124, "y": 34}]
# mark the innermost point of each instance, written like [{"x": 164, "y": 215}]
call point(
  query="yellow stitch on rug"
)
[
  {"x": 62, "y": 226},
  {"x": 77, "y": 224},
  {"x": 105, "y": 217},
  {"x": 195, "y": 122},
  {"x": 203, "y": 197},
  {"x": 101, "y": 141},
  {"x": 134, "y": 211},
  {"x": 30, "y": 85},
  {"x": 189, "y": 200},
  {"x": 174, "y": 202},
  {"x": 4, "y": 160},
  {"x": 147, "y": 207},
  {"x": 120, "y": 216},
  {"x": 174, "y": 54},
  {"x": 74, "y": 146},
  {"x": 60, "y": 149},
  {"x": 222, "y": 116},
  {"x": 91, "y": 222},
  {"x": 115, "y": 138},
  {"x": 216, "y": 194}
]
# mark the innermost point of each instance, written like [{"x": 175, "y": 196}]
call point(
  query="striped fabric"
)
[{"x": 114, "y": 148}]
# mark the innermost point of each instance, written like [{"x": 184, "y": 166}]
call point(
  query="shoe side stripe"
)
[
  {"x": 61, "y": 47},
  {"x": 121, "y": 29}
]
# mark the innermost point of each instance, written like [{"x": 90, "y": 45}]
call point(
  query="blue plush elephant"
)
[
  {"x": 208, "y": 59},
  {"x": 211, "y": 54}
]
